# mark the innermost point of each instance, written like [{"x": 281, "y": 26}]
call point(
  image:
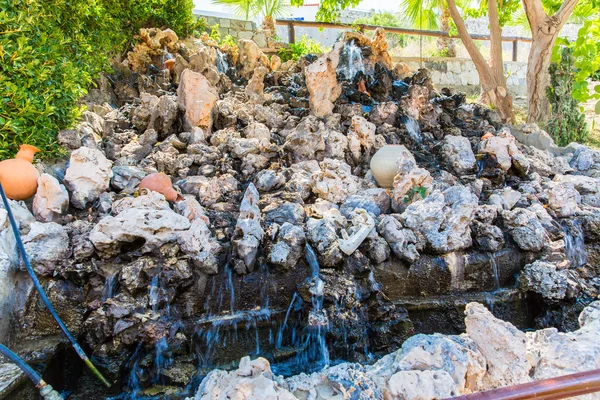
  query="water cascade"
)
[
  {"x": 221, "y": 62},
  {"x": 413, "y": 128},
  {"x": 575, "y": 244},
  {"x": 108, "y": 290},
  {"x": 351, "y": 61}
]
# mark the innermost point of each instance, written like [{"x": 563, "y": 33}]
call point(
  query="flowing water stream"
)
[{"x": 351, "y": 61}]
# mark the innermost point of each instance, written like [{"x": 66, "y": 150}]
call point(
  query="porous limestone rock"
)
[
  {"x": 306, "y": 140},
  {"x": 152, "y": 200},
  {"x": 88, "y": 175},
  {"x": 545, "y": 278},
  {"x": 403, "y": 242},
  {"x": 421, "y": 385},
  {"x": 211, "y": 190},
  {"x": 140, "y": 229},
  {"x": 256, "y": 86},
  {"x": 190, "y": 208},
  {"x": 443, "y": 218},
  {"x": 289, "y": 248},
  {"x": 248, "y": 232},
  {"x": 504, "y": 148},
  {"x": 361, "y": 138},
  {"x": 250, "y": 58},
  {"x": 322, "y": 236},
  {"x": 321, "y": 82},
  {"x": 457, "y": 152},
  {"x": 334, "y": 181},
  {"x": 525, "y": 228},
  {"x": 409, "y": 178},
  {"x": 126, "y": 178},
  {"x": 554, "y": 353},
  {"x": 201, "y": 246},
  {"x": 503, "y": 346},
  {"x": 51, "y": 199},
  {"x": 198, "y": 97},
  {"x": 45, "y": 244},
  {"x": 253, "y": 380},
  {"x": 563, "y": 199},
  {"x": 140, "y": 116}
]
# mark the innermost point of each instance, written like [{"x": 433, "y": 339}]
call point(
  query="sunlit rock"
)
[
  {"x": 88, "y": 175},
  {"x": 51, "y": 199}
]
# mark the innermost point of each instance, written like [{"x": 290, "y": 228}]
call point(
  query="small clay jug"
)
[
  {"x": 161, "y": 183},
  {"x": 383, "y": 164},
  {"x": 18, "y": 175}
]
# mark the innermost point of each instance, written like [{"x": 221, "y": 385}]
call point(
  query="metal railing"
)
[
  {"x": 292, "y": 24},
  {"x": 561, "y": 387}
]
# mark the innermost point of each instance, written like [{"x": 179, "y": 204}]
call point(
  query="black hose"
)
[
  {"x": 15, "y": 359},
  {"x": 42, "y": 293}
]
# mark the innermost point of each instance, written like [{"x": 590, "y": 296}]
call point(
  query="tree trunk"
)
[
  {"x": 491, "y": 77},
  {"x": 446, "y": 46},
  {"x": 544, "y": 30},
  {"x": 538, "y": 78}
]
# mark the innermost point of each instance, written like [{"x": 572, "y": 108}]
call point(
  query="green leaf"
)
[{"x": 597, "y": 108}]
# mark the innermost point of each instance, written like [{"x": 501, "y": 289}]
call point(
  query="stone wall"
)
[
  {"x": 461, "y": 73},
  {"x": 237, "y": 28}
]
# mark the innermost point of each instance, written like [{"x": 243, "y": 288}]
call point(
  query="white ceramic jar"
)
[{"x": 384, "y": 165}]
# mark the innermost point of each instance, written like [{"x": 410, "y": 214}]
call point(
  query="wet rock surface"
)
[{"x": 282, "y": 245}]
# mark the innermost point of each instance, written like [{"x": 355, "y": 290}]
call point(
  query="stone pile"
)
[{"x": 271, "y": 157}]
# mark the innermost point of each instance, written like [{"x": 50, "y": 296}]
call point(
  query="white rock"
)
[
  {"x": 198, "y": 97},
  {"x": 51, "y": 199},
  {"x": 147, "y": 228},
  {"x": 563, "y": 199},
  {"x": 361, "y": 138},
  {"x": 457, "y": 152},
  {"x": 152, "y": 200},
  {"x": 503, "y": 346},
  {"x": 443, "y": 218},
  {"x": 248, "y": 232},
  {"x": 421, "y": 385},
  {"x": 202, "y": 247},
  {"x": 88, "y": 175},
  {"x": 45, "y": 244},
  {"x": 545, "y": 278},
  {"x": 334, "y": 181}
]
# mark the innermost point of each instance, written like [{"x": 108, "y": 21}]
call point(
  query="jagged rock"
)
[
  {"x": 336, "y": 145},
  {"x": 140, "y": 117},
  {"x": 202, "y": 248},
  {"x": 164, "y": 116},
  {"x": 139, "y": 229},
  {"x": 250, "y": 58},
  {"x": 503, "y": 346},
  {"x": 507, "y": 198},
  {"x": 88, "y": 175},
  {"x": 212, "y": 190},
  {"x": 287, "y": 212},
  {"x": 70, "y": 139},
  {"x": 45, "y": 244},
  {"x": 361, "y": 138},
  {"x": 403, "y": 242},
  {"x": 322, "y": 84},
  {"x": 190, "y": 208},
  {"x": 409, "y": 179},
  {"x": 554, "y": 353},
  {"x": 546, "y": 279},
  {"x": 375, "y": 201},
  {"x": 489, "y": 237},
  {"x": 323, "y": 238},
  {"x": 248, "y": 232},
  {"x": 289, "y": 247},
  {"x": 563, "y": 199},
  {"x": 256, "y": 86},
  {"x": 526, "y": 229},
  {"x": 443, "y": 218},
  {"x": 198, "y": 97},
  {"x": 253, "y": 380},
  {"x": 81, "y": 246},
  {"x": 504, "y": 148},
  {"x": 306, "y": 140},
  {"x": 421, "y": 385},
  {"x": 457, "y": 152},
  {"x": 151, "y": 200},
  {"x": 334, "y": 181},
  {"x": 51, "y": 199},
  {"x": 268, "y": 179},
  {"x": 126, "y": 178}
]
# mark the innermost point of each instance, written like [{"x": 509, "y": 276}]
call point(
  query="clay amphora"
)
[
  {"x": 161, "y": 183},
  {"x": 383, "y": 164},
  {"x": 18, "y": 175}
]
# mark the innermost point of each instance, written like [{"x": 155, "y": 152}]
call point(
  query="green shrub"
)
[
  {"x": 50, "y": 52},
  {"x": 567, "y": 122},
  {"x": 296, "y": 50}
]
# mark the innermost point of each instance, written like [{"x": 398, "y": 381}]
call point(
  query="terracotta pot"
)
[
  {"x": 161, "y": 183},
  {"x": 18, "y": 176},
  {"x": 383, "y": 164}
]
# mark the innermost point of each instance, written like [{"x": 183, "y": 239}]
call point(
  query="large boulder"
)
[
  {"x": 457, "y": 152},
  {"x": 46, "y": 244},
  {"x": 322, "y": 84},
  {"x": 546, "y": 279},
  {"x": 201, "y": 246},
  {"x": 198, "y": 97},
  {"x": 141, "y": 229},
  {"x": 503, "y": 346},
  {"x": 51, "y": 199},
  {"x": 88, "y": 175},
  {"x": 248, "y": 232}
]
